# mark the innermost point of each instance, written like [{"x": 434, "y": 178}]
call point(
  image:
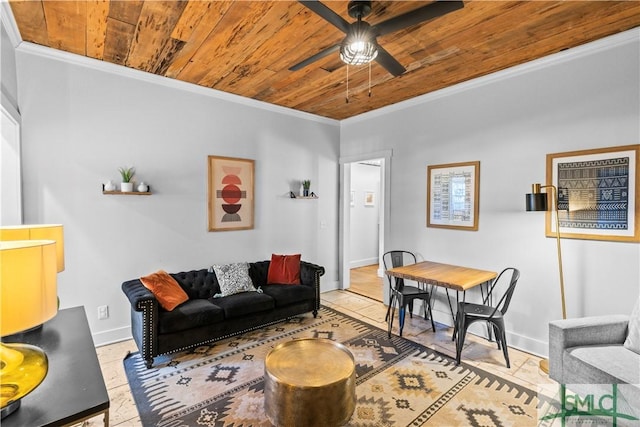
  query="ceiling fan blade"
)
[
  {"x": 327, "y": 14},
  {"x": 417, "y": 16},
  {"x": 385, "y": 59},
  {"x": 315, "y": 57}
]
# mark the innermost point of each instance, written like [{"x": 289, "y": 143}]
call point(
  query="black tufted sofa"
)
[{"x": 204, "y": 318}]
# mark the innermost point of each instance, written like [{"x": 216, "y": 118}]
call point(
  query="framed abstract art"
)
[
  {"x": 597, "y": 193},
  {"x": 231, "y": 193},
  {"x": 452, "y": 195}
]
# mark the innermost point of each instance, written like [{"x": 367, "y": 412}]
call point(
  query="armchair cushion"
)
[{"x": 633, "y": 338}]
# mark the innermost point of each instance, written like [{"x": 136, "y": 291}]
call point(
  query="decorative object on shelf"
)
[
  {"x": 142, "y": 187},
  {"x": 127, "y": 174},
  {"x": 306, "y": 184},
  {"x": 453, "y": 195},
  {"x": 109, "y": 186},
  {"x": 311, "y": 195},
  {"x": 538, "y": 201},
  {"x": 598, "y": 194},
  {"x": 29, "y": 298},
  {"x": 231, "y": 193}
]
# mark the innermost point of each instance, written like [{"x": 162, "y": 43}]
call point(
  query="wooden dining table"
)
[{"x": 455, "y": 277}]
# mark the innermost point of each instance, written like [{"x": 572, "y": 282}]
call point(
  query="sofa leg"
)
[
  {"x": 149, "y": 363},
  {"x": 315, "y": 314}
]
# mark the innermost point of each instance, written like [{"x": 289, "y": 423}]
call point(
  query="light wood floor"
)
[
  {"x": 365, "y": 282},
  {"x": 477, "y": 351}
]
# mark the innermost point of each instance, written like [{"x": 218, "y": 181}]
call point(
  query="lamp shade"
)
[
  {"x": 38, "y": 232},
  {"x": 28, "y": 284},
  {"x": 536, "y": 202}
]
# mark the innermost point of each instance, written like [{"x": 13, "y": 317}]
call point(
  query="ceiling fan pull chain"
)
[
  {"x": 369, "y": 79},
  {"x": 347, "y": 83}
]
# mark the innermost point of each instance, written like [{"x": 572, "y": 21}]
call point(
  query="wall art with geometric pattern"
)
[
  {"x": 597, "y": 193},
  {"x": 231, "y": 196}
]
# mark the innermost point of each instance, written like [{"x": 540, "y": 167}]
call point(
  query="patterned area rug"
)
[{"x": 399, "y": 382}]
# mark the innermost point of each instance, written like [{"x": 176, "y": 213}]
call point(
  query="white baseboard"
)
[
  {"x": 111, "y": 336},
  {"x": 442, "y": 315},
  {"x": 363, "y": 262},
  {"x": 326, "y": 286}
]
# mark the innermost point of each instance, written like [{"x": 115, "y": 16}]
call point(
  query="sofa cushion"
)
[
  {"x": 284, "y": 270},
  {"x": 244, "y": 303},
  {"x": 233, "y": 278},
  {"x": 192, "y": 314},
  {"x": 632, "y": 342},
  {"x": 165, "y": 288},
  {"x": 286, "y": 295},
  {"x": 602, "y": 364}
]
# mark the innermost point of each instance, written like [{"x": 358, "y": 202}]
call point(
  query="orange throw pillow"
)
[
  {"x": 284, "y": 270},
  {"x": 165, "y": 289}
]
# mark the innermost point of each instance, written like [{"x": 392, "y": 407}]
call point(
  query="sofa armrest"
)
[
  {"x": 308, "y": 272},
  {"x": 595, "y": 330},
  {"x": 138, "y": 295}
]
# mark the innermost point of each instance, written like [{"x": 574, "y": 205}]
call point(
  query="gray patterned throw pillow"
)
[{"x": 233, "y": 278}]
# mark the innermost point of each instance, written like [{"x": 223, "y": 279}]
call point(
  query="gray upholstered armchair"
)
[{"x": 588, "y": 355}]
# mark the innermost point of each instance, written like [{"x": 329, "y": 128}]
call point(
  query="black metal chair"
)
[
  {"x": 469, "y": 313},
  {"x": 403, "y": 294}
]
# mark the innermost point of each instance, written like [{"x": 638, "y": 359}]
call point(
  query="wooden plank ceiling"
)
[{"x": 246, "y": 47}]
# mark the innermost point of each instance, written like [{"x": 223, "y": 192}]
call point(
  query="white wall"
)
[
  {"x": 364, "y": 234},
  {"x": 8, "y": 78},
  {"x": 583, "y": 98},
  {"x": 80, "y": 123}
]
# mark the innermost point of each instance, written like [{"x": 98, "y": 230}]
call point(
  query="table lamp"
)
[
  {"x": 37, "y": 232},
  {"x": 28, "y": 299},
  {"x": 538, "y": 201}
]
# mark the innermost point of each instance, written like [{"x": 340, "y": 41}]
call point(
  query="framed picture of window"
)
[
  {"x": 597, "y": 194},
  {"x": 231, "y": 193},
  {"x": 452, "y": 195}
]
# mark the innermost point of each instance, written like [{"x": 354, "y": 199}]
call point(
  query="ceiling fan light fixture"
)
[{"x": 359, "y": 47}]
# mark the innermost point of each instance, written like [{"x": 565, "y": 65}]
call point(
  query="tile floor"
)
[{"x": 524, "y": 367}]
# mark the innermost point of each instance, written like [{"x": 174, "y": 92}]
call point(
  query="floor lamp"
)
[{"x": 538, "y": 201}]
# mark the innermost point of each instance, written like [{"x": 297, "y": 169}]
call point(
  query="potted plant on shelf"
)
[
  {"x": 127, "y": 174},
  {"x": 306, "y": 184}
]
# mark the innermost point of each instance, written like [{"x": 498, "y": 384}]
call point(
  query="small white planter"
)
[{"x": 126, "y": 187}]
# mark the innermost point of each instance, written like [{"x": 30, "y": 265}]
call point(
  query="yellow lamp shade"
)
[
  {"x": 28, "y": 284},
  {"x": 37, "y": 232}
]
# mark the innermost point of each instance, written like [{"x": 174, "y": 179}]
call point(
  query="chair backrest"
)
[
  {"x": 505, "y": 300},
  {"x": 393, "y": 259}
]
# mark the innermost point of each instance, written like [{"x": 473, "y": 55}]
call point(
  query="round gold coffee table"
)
[{"x": 309, "y": 382}]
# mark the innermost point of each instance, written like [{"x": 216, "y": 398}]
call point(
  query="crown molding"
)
[
  {"x": 9, "y": 23},
  {"x": 606, "y": 43},
  {"x": 120, "y": 70}
]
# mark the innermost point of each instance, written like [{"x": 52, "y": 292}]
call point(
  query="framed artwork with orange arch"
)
[{"x": 231, "y": 193}]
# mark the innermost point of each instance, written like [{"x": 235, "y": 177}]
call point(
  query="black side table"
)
[{"x": 74, "y": 389}]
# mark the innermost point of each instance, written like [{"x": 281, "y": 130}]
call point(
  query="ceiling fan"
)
[{"x": 360, "y": 45}]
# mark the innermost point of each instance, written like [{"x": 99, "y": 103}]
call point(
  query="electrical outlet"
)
[{"x": 103, "y": 312}]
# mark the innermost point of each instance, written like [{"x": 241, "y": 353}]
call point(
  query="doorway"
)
[{"x": 364, "y": 197}]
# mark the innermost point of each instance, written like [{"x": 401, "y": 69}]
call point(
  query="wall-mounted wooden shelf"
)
[
  {"x": 128, "y": 193},
  {"x": 292, "y": 195}
]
